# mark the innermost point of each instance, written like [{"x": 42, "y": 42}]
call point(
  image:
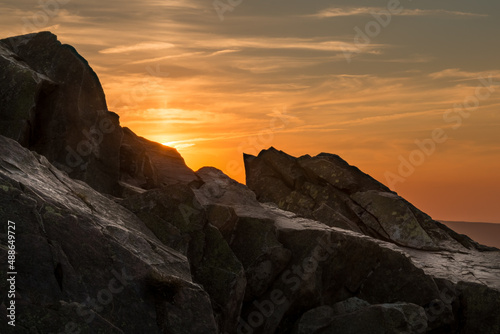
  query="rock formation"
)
[
  {"x": 53, "y": 103},
  {"x": 328, "y": 189},
  {"x": 145, "y": 164},
  {"x": 133, "y": 241},
  {"x": 61, "y": 111}
]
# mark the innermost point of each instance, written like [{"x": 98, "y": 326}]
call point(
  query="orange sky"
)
[{"x": 276, "y": 74}]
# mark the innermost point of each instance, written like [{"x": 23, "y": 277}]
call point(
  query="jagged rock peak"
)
[
  {"x": 53, "y": 103},
  {"x": 326, "y": 188}
]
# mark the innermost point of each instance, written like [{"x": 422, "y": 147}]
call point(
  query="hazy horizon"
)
[
  {"x": 485, "y": 233},
  {"x": 406, "y": 91}
]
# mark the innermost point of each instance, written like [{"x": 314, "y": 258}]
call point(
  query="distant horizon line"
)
[{"x": 463, "y": 221}]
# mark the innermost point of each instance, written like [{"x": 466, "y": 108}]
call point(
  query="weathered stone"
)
[
  {"x": 251, "y": 237},
  {"x": 396, "y": 219},
  {"x": 149, "y": 165},
  {"x": 76, "y": 247},
  {"x": 364, "y": 319},
  {"x": 328, "y": 189},
  {"x": 68, "y": 123},
  {"x": 20, "y": 91},
  {"x": 218, "y": 188},
  {"x": 349, "y": 305},
  {"x": 479, "y": 308},
  {"x": 315, "y": 320},
  {"x": 179, "y": 221},
  {"x": 335, "y": 171}
]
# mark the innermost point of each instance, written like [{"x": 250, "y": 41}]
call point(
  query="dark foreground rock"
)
[
  {"x": 357, "y": 316},
  {"x": 327, "y": 265},
  {"x": 64, "y": 117},
  {"x": 85, "y": 262},
  {"x": 319, "y": 247}
]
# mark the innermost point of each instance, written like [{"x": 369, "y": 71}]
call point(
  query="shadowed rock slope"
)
[
  {"x": 313, "y": 246},
  {"x": 328, "y": 189},
  {"x": 53, "y": 103}
]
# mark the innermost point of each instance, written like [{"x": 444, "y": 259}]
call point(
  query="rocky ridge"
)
[{"x": 131, "y": 240}]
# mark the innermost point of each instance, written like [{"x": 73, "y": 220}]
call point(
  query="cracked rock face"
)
[
  {"x": 357, "y": 316},
  {"x": 53, "y": 103},
  {"x": 328, "y": 189},
  {"x": 86, "y": 261},
  {"x": 62, "y": 113}
]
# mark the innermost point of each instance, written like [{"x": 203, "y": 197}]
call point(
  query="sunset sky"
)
[{"x": 215, "y": 79}]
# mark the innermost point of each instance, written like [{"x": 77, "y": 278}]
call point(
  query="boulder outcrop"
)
[
  {"x": 147, "y": 165},
  {"x": 64, "y": 115},
  {"x": 86, "y": 263},
  {"x": 328, "y": 189},
  {"x": 53, "y": 103}
]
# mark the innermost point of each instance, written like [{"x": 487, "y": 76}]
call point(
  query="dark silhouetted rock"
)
[
  {"x": 61, "y": 111},
  {"x": 327, "y": 189},
  {"x": 147, "y": 165},
  {"x": 179, "y": 221},
  {"x": 20, "y": 89},
  {"x": 479, "y": 311},
  {"x": 85, "y": 261},
  {"x": 363, "y": 318},
  {"x": 325, "y": 265}
]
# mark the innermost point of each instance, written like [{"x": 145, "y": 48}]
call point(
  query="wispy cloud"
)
[
  {"x": 157, "y": 59},
  {"x": 459, "y": 74},
  {"x": 178, "y": 146},
  {"x": 145, "y": 46},
  {"x": 358, "y": 11},
  {"x": 216, "y": 53},
  {"x": 183, "y": 55},
  {"x": 314, "y": 44}
]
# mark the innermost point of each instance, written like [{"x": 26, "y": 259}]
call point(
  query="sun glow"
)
[
  {"x": 178, "y": 145},
  {"x": 210, "y": 90}
]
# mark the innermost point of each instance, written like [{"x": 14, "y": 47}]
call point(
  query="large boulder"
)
[
  {"x": 250, "y": 232},
  {"x": 53, "y": 103},
  {"x": 86, "y": 263},
  {"x": 61, "y": 110},
  {"x": 174, "y": 215},
  {"x": 147, "y": 165},
  {"x": 319, "y": 265},
  {"x": 479, "y": 308},
  {"x": 355, "y": 316},
  {"x": 21, "y": 88},
  {"x": 328, "y": 189}
]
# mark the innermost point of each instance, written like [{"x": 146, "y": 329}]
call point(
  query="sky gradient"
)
[{"x": 408, "y": 91}]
